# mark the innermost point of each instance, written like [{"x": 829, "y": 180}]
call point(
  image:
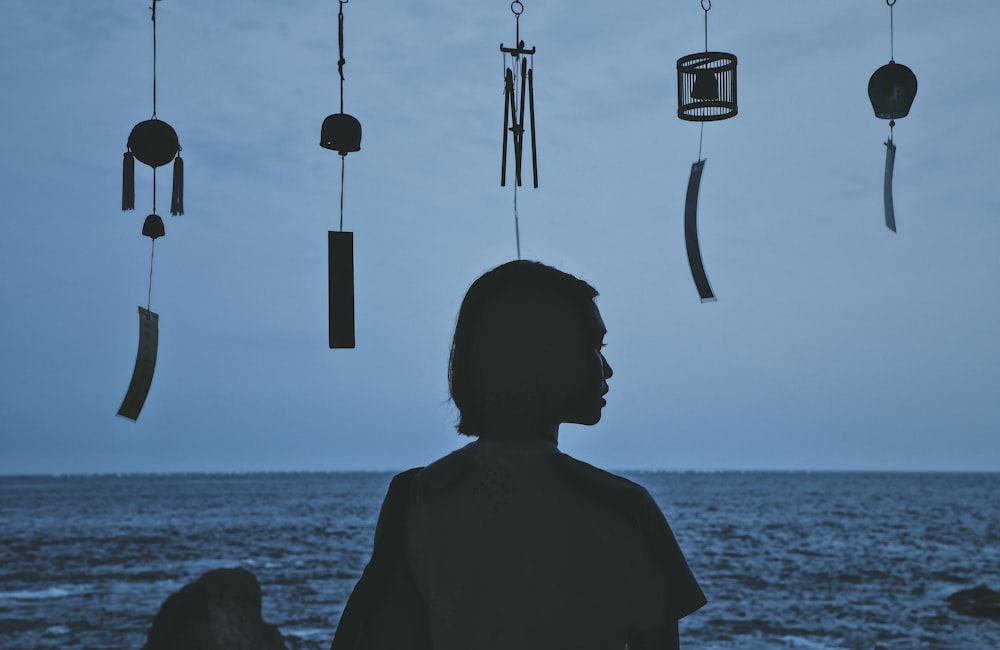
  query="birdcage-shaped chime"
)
[
  {"x": 706, "y": 86},
  {"x": 891, "y": 90},
  {"x": 706, "y": 92},
  {"x": 341, "y": 133},
  {"x": 152, "y": 142}
]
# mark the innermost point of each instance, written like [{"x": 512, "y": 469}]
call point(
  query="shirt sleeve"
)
[
  {"x": 385, "y": 610},
  {"x": 666, "y": 590}
]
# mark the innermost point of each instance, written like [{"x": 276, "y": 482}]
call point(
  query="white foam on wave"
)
[
  {"x": 42, "y": 594},
  {"x": 807, "y": 644},
  {"x": 307, "y": 633}
]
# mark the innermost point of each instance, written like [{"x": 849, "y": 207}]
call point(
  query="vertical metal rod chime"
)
[
  {"x": 891, "y": 90},
  {"x": 706, "y": 92},
  {"x": 514, "y": 115},
  {"x": 341, "y": 133},
  {"x": 152, "y": 142}
]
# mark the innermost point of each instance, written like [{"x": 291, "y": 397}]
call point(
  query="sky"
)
[{"x": 835, "y": 344}]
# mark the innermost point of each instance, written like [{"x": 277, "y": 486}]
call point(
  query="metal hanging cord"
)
[
  {"x": 340, "y": 70},
  {"x": 153, "y": 8},
  {"x": 892, "y": 53},
  {"x": 517, "y": 8},
  {"x": 149, "y": 292},
  {"x": 706, "y": 5},
  {"x": 340, "y": 42},
  {"x": 517, "y": 226},
  {"x": 342, "y": 159}
]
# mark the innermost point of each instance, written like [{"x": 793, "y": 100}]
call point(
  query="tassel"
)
[
  {"x": 128, "y": 181},
  {"x": 177, "y": 197}
]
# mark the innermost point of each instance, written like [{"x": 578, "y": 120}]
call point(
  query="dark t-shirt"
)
[
  {"x": 517, "y": 545},
  {"x": 504, "y": 545}
]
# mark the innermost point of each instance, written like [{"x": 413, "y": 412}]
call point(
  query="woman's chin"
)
[{"x": 586, "y": 419}]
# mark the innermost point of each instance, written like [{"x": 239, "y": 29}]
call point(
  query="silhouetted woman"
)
[{"x": 507, "y": 543}]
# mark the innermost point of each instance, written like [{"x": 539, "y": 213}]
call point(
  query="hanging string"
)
[
  {"x": 340, "y": 70},
  {"x": 503, "y": 71},
  {"x": 154, "y": 57},
  {"x": 518, "y": 132},
  {"x": 517, "y": 226},
  {"x": 706, "y": 5},
  {"x": 149, "y": 293},
  {"x": 517, "y": 8},
  {"x": 517, "y": 21},
  {"x": 340, "y": 42},
  {"x": 892, "y": 51},
  {"x": 152, "y": 245},
  {"x": 342, "y": 159},
  {"x": 892, "y": 54}
]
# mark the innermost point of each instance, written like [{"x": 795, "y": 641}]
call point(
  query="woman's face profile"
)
[{"x": 581, "y": 372}]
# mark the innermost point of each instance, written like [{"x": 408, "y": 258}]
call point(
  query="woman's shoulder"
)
[
  {"x": 616, "y": 491},
  {"x": 445, "y": 471}
]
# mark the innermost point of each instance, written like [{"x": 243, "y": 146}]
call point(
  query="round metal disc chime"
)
[
  {"x": 341, "y": 133},
  {"x": 706, "y": 92},
  {"x": 152, "y": 142},
  {"x": 891, "y": 90}
]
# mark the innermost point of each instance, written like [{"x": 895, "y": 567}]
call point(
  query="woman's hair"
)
[{"x": 511, "y": 319}]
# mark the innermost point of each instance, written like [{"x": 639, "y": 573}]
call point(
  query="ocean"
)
[{"x": 803, "y": 560}]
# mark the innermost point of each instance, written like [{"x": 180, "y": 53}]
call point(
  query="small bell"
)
[
  {"x": 153, "y": 227},
  {"x": 706, "y": 86},
  {"x": 341, "y": 133},
  {"x": 891, "y": 90}
]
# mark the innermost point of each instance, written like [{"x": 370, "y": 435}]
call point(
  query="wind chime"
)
[
  {"x": 341, "y": 133},
  {"x": 706, "y": 92},
  {"x": 518, "y": 86},
  {"x": 152, "y": 142},
  {"x": 891, "y": 90}
]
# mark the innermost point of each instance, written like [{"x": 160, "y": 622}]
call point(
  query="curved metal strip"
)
[
  {"x": 691, "y": 234},
  {"x": 890, "y": 161},
  {"x": 145, "y": 363}
]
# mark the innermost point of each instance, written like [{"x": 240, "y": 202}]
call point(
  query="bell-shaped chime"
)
[
  {"x": 706, "y": 92},
  {"x": 519, "y": 86},
  {"x": 152, "y": 142},
  {"x": 891, "y": 90},
  {"x": 341, "y": 133},
  {"x": 706, "y": 85}
]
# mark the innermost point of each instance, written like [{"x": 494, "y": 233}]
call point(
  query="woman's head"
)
[{"x": 526, "y": 352}]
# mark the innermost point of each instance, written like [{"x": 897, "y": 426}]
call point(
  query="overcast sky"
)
[{"x": 834, "y": 344}]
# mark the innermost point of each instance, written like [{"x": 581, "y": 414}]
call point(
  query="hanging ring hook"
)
[
  {"x": 517, "y": 8},
  {"x": 707, "y": 4},
  {"x": 890, "y": 2},
  {"x": 344, "y": 2}
]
